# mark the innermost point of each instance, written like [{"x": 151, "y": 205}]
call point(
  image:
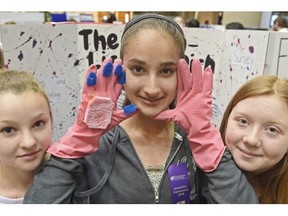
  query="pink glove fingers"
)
[
  {"x": 118, "y": 88},
  {"x": 197, "y": 80},
  {"x": 208, "y": 81},
  {"x": 113, "y": 83},
  {"x": 112, "y": 80},
  {"x": 183, "y": 76},
  {"x": 103, "y": 81},
  {"x": 193, "y": 113},
  {"x": 89, "y": 89},
  {"x": 97, "y": 112}
]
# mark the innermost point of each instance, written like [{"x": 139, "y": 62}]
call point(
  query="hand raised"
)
[
  {"x": 97, "y": 112},
  {"x": 193, "y": 113}
]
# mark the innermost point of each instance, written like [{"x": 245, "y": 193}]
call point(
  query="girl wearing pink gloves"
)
[{"x": 142, "y": 153}]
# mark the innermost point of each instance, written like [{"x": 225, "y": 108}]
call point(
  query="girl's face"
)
[
  {"x": 25, "y": 130},
  {"x": 150, "y": 62},
  {"x": 257, "y": 133}
]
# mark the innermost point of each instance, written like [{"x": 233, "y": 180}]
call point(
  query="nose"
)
[
  {"x": 252, "y": 138},
  {"x": 151, "y": 87},
  {"x": 28, "y": 140}
]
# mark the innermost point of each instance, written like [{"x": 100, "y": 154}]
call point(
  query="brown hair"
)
[
  {"x": 274, "y": 180},
  {"x": 281, "y": 20}
]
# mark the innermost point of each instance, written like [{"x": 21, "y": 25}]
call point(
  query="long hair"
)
[{"x": 274, "y": 180}]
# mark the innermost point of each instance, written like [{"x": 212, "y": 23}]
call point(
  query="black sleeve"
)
[{"x": 57, "y": 181}]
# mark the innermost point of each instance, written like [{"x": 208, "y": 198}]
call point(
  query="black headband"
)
[{"x": 156, "y": 16}]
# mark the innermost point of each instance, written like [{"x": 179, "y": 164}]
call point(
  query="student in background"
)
[
  {"x": 142, "y": 154},
  {"x": 255, "y": 130},
  {"x": 179, "y": 20},
  {"x": 280, "y": 24},
  {"x": 234, "y": 25},
  {"x": 193, "y": 23},
  {"x": 25, "y": 132}
]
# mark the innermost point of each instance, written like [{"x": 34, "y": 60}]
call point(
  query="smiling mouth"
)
[
  {"x": 150, "y": 100},
  {"x": 30, "y": 154},
  {"x": 249, "y": 153}
]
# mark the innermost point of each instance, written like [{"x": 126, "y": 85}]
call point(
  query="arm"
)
[
  {"x": 97, "y": 112},
  {"x": 228, "y": 184},
  {"x": 56, "y": 182},
  {"x": 194, "y": 112}
]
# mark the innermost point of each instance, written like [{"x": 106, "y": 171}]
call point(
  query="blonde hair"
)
[
  {"x": 274, "y": 181},
  {"x": 18, "y": 82}
]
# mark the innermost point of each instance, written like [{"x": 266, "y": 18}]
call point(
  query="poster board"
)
[
  {"x": 242, "y": 59},
  {"x": 48, "y": 52},
  {"x": 58, "y": 55},
  {"x": 277, "y": 55}
]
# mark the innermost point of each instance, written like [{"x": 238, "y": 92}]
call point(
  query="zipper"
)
[
  {"x": 156, "y": 192},
  {"x": 180, "y": 139},
  {"x": 156, "y": 196}
]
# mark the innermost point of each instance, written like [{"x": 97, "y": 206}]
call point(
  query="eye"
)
[
  {"x": 136, "y": 69},
  {"x": 273, "y": 130},
  {"x": 167, "y": 71},
  {"x": 243, "y": 122},
  {"x": 39, "y": 123},
  {"x": 8, "y": 130}
]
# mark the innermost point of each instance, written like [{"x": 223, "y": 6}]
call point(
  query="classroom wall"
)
[{"x": 248, "y": 19}]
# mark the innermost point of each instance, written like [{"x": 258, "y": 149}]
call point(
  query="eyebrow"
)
[
  {"x": 170, "y": 63},
  {"x": 134, "y": 60}
]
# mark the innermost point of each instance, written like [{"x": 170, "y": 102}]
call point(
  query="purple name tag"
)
[{"x": 179, "y": 183}]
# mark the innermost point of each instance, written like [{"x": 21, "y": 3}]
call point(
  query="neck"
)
[
  {"x": 151, "y": 139},
  {"x": 13, "y": 182},
  {"x": 148, "y": 126}
]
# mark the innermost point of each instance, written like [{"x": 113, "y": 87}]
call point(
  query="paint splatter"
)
[
  {"x": 20, "y": 56},
  {"x": 76, "y": 62},
  {"x": 192, "y": 45},
  {"x": 238, "y": 41},
  {"x": 34, "y": 43}
]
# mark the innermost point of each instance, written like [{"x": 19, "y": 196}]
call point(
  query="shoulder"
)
[
  {"x": 283, "y": 30},
  {"x": 117, "y": 134}
]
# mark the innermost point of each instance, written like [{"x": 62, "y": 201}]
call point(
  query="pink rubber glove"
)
[
  {"x": 97, "y": 112},
  {"x": 194, "y": 112}
]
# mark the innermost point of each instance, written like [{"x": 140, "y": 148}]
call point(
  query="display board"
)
[
  {"x": 277, "y": 54},
  {"x": 58, "y": 55},
  {"x": 242, "y": 59},
  {"x": 49, "y": 53}
]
